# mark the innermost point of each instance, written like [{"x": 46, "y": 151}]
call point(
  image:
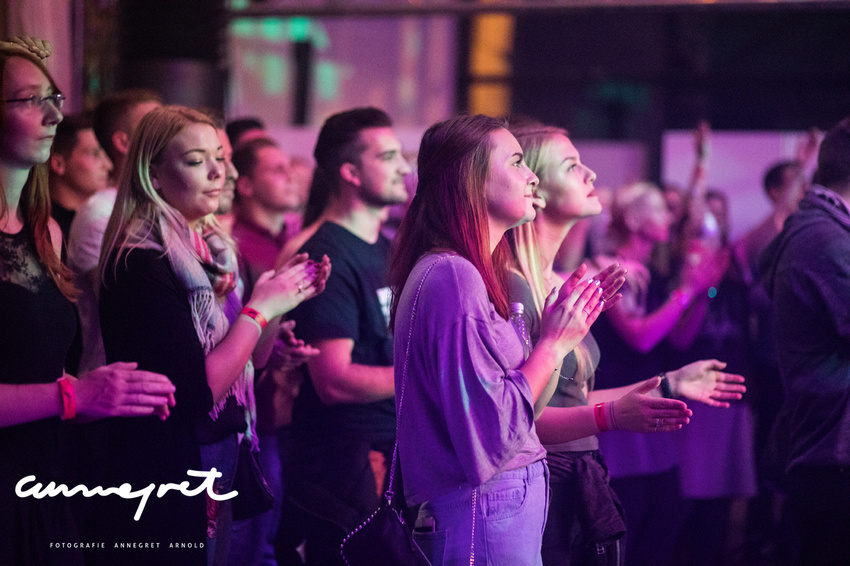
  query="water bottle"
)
[{"x": 517, "y": 309}]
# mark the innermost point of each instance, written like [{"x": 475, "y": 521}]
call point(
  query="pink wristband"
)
[
  {"x": 68, "y": 397},
  {"x": 599, "y": 416}
]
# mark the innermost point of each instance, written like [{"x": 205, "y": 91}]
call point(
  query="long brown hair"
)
[
  {"x": 35, "y": 198},
  {"x": 449, "y": 211}
]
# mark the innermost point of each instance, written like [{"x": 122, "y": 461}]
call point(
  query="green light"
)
[
  {"x": 273, "y": 29},
  {"x": 239, "y": 4},
  {"x": 299, "y": 29},
  {"x": 327, "y": 80},
  {"x": 712, "y": 292},
  {"x": 274, "y": 74},
  {"x": 242, "y": 27}
]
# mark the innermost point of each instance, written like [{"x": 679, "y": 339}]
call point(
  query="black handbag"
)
[
  {"x": 384, "y": 539},
  {"x": 254, "y": 496}
]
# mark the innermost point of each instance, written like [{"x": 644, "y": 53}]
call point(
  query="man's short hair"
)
[
  {"x": 775, "y": 176},
  {"x": 339, "y": 142},
  {"x": 834, "y": 156},
  {"x": 235, "y": 128},
  {"x": 245, "y": 156},
  {"x": 110, "y": 112},
  {"x": 65, "y": 139}
]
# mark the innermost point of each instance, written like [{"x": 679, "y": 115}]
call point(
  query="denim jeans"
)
[
  {"x": 221, "y": 456},
  {"x": 510, "y": 514}
]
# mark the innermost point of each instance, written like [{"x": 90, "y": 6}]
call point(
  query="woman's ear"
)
[
  {"x": 154, "y": 180},
  {"x": 350, "y": 173}
]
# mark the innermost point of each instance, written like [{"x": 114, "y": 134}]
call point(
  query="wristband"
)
[
  {"x": 609, "y": 414},
  {"x": 666, "y": 389},
  {"x": 68, "y": 398},
  {"x": 682, "y": 298},
  {"x": 255, "y": 315},
  {"x": 599, "y": 416}
]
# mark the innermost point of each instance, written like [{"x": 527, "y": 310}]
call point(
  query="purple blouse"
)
[{"x": 468, "y": 413}]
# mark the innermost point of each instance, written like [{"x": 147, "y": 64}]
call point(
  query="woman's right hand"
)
[
  {"x": 278, "y": 292},
  {"x": 568, "y": 314},
  {"x": 638, "y": 411}
]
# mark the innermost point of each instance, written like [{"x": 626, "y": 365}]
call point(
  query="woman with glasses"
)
[{"x": 36, "y": 328}]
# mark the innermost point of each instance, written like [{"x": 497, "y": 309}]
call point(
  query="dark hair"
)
[
  {"x": 66, "y": 132},
  {"x": 111, "y": 112},
  {"x": 245, "y": 156},
  {"x": 775, "y": 176},
  {"x": 235, "y": 128},
  {"x": 339, "y": 142},
  {"x": 449, "y": 211},
  {"x": 834, "y": 156}
]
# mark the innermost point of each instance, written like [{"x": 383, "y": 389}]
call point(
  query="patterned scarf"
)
[{"x": 209, "y": 274}]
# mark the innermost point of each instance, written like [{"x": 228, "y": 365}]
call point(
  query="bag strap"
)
[{"x": 389, "y": 493}]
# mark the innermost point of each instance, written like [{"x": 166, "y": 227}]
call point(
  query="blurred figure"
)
[
  {"x": 78, "y": 169},
  {"x": 114, "y": 121},
  {"x": 784, "y": 185},
  {"x": 808, "y": 278},
  {"x": 717, "y": 464},
  {"x": 654, "y": 310},
  {"x": 245, "y": 129},
  {"x": 264, "y": 194}
]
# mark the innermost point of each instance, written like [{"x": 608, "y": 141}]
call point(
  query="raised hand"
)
[
  {"x": 703, "y": 381},
  {"x": 610, "y": 280},
  {"x": 120, "y": 390},
  {"x": 638, "y": 411},
  {"x": 568, "y": 314},
  {"x": 290, "y": 352},
  {"x": 278, "y": 292},
  {"x": 39, "y": 47}
]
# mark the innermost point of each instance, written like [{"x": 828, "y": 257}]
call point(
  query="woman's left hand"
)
[
  {"x": 610, "y": 280},
  {"x": 703, "y": 381},
  {"x": 278, "y": 292}
]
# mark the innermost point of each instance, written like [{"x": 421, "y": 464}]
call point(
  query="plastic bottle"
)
[{"x": 517, "y": 309}]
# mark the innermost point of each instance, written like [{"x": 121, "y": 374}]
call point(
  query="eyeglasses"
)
[{"x": 40, "y": 102}]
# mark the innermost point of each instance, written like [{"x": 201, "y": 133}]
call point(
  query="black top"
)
[
  {"x": 145, "y": 317},
  {"x": 355, "y": 305},
  {"x": 330, "y": 468},
  {"x": 37, "y": 328}
]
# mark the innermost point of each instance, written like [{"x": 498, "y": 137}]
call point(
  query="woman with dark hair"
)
[
  {"x": 466, "y": 398},
  {"x": 38, "y": 325},
  {"x": 586, "y": 523},
  {"x": 168, "y": 271}
]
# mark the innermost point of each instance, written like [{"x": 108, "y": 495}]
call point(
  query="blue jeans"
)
[
  {"x": 221, "y": 456},
  {"x": 510, "y": 514}
]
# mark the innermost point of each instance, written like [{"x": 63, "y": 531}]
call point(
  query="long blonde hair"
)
[
  {"x": 536, "y": 141},
  {"x": 139, "y": 207}
]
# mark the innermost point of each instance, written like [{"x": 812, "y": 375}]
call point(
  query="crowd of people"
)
[{"x": 231, "y": 309}]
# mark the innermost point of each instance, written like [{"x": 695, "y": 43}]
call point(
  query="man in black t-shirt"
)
[{"x": 346, "y": 407}]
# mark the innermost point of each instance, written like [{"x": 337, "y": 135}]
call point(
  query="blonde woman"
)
[
  {"x": 585, "y": 519},
  {"x": 167, "y": 271}
]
